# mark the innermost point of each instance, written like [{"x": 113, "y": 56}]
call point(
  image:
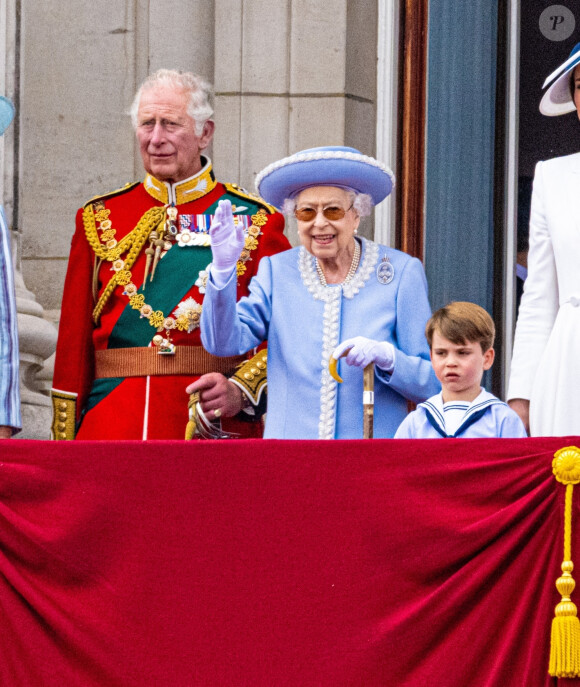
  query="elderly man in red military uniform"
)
[{"x": 129, "y": 339}]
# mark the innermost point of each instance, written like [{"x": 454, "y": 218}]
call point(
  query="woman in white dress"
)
[{"x": 544, "y": 386}]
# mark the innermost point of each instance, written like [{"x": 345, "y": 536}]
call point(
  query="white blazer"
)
[{"x": 546, "y": 357}]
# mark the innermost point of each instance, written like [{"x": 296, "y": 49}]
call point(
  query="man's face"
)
[{"x": 169, "y": 145}]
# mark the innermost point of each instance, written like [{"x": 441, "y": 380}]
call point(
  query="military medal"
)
[
  {"x": 385, "y": 271},
  {"x": 194, "y": 229},
  {"x": 171, "y": 217},
  {"x": 164, "y": 344}
]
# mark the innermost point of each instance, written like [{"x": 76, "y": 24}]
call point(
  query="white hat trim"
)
[
  {"x": 324, "y": 155},
  {"x": 561, "y": 68}
]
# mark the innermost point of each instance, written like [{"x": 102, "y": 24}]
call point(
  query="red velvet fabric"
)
[{"x": 270, "y": 563}]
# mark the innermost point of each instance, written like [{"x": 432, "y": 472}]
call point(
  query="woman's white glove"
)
[
  {"x": 362, "y": 351},
  {"x": 227, "y": 242}
]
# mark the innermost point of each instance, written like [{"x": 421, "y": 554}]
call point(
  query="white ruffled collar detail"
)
[{"x": 321, "y": 292}]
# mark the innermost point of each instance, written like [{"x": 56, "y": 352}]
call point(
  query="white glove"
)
[
  {"x": 362, "y": 351},
  {"x": 227, "y": 242}
]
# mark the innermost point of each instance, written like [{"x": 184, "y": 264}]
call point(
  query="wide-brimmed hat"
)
[
  {"x": 339, "y": 166},
  {"x": 557, "y": 100},
  {"x": 6, "y": 113}
]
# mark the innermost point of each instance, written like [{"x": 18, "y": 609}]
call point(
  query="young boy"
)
[{"x": 460, "y": 338}]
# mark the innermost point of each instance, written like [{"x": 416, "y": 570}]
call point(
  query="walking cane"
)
[
  {"x": 368, "y": 400},
  {"x": 368, "y": 393}
]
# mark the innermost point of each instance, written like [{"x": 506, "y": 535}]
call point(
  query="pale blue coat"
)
[{"x": 304, "y": 321}]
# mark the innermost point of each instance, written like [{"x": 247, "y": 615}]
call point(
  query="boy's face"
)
[{"x": 459, "y": 368}]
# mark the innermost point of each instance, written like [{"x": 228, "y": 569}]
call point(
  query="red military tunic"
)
[{"x": 110, "y": 382}]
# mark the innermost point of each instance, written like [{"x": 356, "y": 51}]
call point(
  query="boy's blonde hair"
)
[{"x": 461, "y": 322}]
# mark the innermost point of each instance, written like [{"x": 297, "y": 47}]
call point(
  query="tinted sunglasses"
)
[{"x": 331, "y": 213}]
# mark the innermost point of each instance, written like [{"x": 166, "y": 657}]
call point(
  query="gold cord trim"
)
[
  {"x": 133, "y": 242},
  {"x": 565, "y": 640}
]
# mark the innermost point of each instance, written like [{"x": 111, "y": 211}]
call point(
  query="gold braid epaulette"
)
[
  {"x": 236, "y": 190},
  {"x": 133, "y": 242},
  {"x": 129, "y": 186}
]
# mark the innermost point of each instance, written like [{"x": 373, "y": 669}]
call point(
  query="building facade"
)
[{"x": 422, "y": 84}]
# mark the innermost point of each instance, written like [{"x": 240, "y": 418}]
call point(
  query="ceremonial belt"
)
[{"x": 147, "y": 362}]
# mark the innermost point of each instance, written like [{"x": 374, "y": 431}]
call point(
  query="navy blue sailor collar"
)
[{"x": 434, "y": 410}]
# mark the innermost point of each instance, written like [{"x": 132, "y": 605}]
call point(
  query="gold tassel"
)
[
  {"x": 192, "y": 422},
  {"x": 565, "y": 641},
  {"x": 199, "y": 425}
]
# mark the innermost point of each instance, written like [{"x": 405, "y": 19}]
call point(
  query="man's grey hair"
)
[
  {"x": 361, "y": 202},
  {"x": 200, "y": 94}
]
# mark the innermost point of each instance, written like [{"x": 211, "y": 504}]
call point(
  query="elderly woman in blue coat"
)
[{"x": 337, "y": 294}]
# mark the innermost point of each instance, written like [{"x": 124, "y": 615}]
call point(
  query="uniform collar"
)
[{"x": 184, "y": 191}]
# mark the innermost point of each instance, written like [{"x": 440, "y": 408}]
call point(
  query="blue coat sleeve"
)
[
  {"x": 230, "y": 328},
  {"x": 413, "y": 376}
]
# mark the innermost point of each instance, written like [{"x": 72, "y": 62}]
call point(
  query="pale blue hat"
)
[
  {"x": 557, "y": 100},
  {"x": 337, "y": 166},
  {"x": 6, "y": 113}
]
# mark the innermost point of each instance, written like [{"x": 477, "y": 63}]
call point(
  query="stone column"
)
[
  {"x": 37, "y": 336},
  {"x": 291, "y": 75}
]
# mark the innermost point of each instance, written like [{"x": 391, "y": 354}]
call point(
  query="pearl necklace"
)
[{"x": 352, "y": 270}]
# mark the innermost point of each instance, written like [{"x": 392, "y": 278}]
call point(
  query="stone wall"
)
[{"x": 288, "y": 75}]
